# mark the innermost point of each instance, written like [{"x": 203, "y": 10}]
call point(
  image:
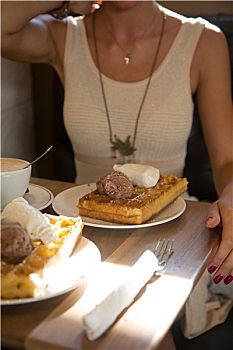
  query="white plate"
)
[
  {"x": 65, "y": 203},
  {"x": 39, "y": 197},
  {"x": 69, "y": 275}
]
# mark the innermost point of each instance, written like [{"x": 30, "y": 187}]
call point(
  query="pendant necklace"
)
[
  {"x": 125, "y": 148},
  {"x": 128, "y": 53}
]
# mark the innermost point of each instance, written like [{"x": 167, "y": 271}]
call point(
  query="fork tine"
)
[
  {"x": 161, "y": 247},
  {"x": 157, "y": 245},
  {"x": 171, "y": 251},
  {"x": 165, "y": 249}
]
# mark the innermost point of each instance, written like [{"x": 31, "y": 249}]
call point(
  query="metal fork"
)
[{"x": 163, "y": 251}]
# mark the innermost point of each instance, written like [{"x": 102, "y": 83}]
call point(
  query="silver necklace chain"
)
[
  {"x": 125, "y": 148},
  {"x": 128, "y": 54}
]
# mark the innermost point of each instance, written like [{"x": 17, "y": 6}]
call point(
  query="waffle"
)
[
  {"x": 29, "y": 278},
  {"x": 139, "y": 208}
]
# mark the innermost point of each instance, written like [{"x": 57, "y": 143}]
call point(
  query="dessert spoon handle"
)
[{"x": 42, "y": 155}]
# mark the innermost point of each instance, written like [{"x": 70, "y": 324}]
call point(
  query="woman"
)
[{"x": 130, "y": 70}]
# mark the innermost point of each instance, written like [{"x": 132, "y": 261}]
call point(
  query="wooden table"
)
[{"x": 57, "y": 322}]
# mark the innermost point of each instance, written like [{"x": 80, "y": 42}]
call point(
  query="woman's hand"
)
[
  {"x": 221, "y": 211},
  {"x": 84, "y": 7}
]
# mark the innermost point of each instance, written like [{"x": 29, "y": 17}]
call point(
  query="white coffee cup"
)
[{"x": 15, "y": 179}]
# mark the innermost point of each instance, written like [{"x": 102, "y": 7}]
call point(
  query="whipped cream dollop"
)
[
  {"x": 140, "y": 174},
  {"x": 19, "y": 211},
  {"x": 115, "y": 184}
]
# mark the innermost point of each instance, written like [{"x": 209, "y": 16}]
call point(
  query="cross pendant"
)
[{"x": 127, "y": 58}]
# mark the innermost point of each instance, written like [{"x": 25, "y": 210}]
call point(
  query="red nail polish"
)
[
  {"x": 217, "y": 279},
  {"x": 212, "y": 268},
  {"x": 228, "y": 279}
]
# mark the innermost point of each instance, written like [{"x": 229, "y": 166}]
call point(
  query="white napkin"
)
[
  {"x": 97, "y": 321},
  {"x": 140, "y": 174}
]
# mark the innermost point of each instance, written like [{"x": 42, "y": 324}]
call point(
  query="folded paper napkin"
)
[
  {"x": 97, "y": 321},
  {"x": 140, "y": 174},
  {"x": 207, "y": 306}
]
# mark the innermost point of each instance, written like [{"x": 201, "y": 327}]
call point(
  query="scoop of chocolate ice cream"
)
[
  {"x": 16, "y": 243},
  {"x": 115, "y": 184}
]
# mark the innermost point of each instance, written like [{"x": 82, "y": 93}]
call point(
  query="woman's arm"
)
[
  {"x": 30, "y": 34},
  {"x": 216, "y": 113},
  {"x": 26, "y": 35},
  {"x": 215, "y": 104}
]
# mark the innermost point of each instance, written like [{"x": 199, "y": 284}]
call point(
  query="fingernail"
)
[
  {"x": 217, "y": 279},
  {"x": 228, "y": 279},
  {"x": 212, "y": 268}
]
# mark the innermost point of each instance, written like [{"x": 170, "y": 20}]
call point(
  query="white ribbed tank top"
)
[{"x": 166, "y": 117}]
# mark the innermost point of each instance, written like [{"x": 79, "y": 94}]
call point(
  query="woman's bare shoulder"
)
[{"x": 212, "y": 44}]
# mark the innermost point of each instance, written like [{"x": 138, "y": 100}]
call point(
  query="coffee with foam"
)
[
  {"x": 12, "y": 164},
  {"x": 15, "y": 178}
]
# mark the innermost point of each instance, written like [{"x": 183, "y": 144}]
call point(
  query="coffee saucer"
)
[{"x": 39, "y": 197}]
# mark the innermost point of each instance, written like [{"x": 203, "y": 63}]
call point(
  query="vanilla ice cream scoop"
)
[
  {"x": 141, "y": 175},
  {"x": 19, "y": 211}
]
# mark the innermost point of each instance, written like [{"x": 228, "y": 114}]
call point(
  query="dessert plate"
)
[
  {"x": 69, "y": 275},
  {"x": 65, "y": 203},
  {"x": 39, "y": 197}
]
